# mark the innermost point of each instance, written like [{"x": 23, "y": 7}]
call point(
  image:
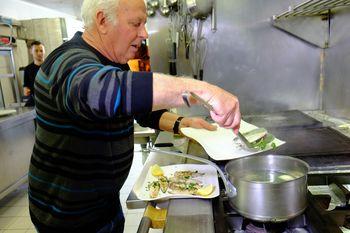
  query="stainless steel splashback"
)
[
  {"x": 267, "y": 68},
  {"x": 337, "y": 67}
]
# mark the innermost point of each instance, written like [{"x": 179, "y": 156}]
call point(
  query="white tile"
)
[
  {"x": 15, "y": 231},
  {"x": 22, "y": 202},
  {"x": 5, "y": 222},
  {"x": 25, "y": 212},
  {"x": 14, "y": 211},
  {"x": 133, "y": 219},
  {"x": 155, "y": 230},
  {"x": 15, "y": 199},
  {"x": 130, "y": 229},
  {"x": 21, "y": 223},
  {"x": 31, "y": 231},
  {"x": 135, "y": 211}
]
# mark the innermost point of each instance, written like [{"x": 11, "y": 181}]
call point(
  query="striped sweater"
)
[{"x": 83, "y": 148}]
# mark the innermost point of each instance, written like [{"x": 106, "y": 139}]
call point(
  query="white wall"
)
[{"x": 20, "y": 10}]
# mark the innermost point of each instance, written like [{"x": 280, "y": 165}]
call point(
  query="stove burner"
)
[
  {"x": 267, "y": 227},
  {"x": 251, "y": 228}
]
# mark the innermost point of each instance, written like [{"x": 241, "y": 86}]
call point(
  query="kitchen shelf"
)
[
  {"x": 7, "y": 76},
  {"x": 310, "y": 20},
  {"x": 7, "y": 53},
  {"x": 312, "y": 8}
]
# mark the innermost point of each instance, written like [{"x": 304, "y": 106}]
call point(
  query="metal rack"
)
[
  {"x": 311, "y": 8},
  {"x": 310, "y": 20},
  {"x": 8, "y": 53}
]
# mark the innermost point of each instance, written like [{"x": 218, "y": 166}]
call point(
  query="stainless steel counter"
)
[
  {"x": 16, "y": 144},
  {"x": 196, "y": 215},
  {"x": 183, "y": 215}
]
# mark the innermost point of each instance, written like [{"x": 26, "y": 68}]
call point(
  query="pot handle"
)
[{"x": 230, "y": 189}]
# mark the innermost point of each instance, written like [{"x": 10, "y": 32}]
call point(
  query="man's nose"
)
[{"x": 143, "y": 33}]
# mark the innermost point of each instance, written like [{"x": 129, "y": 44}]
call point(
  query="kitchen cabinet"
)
[{"x": 16, "y": 145}]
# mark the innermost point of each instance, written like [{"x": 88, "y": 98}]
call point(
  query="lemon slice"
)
[
  {"x": 206, "y": 190},
  {"x": 156, "y": 170}
]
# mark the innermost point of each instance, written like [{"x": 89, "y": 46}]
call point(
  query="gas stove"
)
[{"x": 328, "y": 211}]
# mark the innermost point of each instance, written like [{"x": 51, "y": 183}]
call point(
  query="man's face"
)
[
  {"x": 124, "y": 38},
  {"x": 38, "y": 52}
]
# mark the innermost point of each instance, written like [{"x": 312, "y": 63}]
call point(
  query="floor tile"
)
[
  {"x": 133, "y": 219},
  {"x": 155, "y": 231},
  {"x": 21, "y": 223},
  {"x": 31, "y": 231},
  {"x": 136, "y": 210},
  {"x": 15, "y": 231},
  {"x": 5, "y": 222},
  {"x": 14, "y": 211},
  {"x": 130, "y": 229}
]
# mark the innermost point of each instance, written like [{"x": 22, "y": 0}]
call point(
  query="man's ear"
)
[{"x": 101, "y": 22}]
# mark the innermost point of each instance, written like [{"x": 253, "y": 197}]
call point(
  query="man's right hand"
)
[
  {"x": 226, "y": 108},
  {"x": 167, "y": 93}
]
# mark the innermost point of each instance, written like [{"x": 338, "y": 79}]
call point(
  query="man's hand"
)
[
  {"x": 197, "y": 123},
  {"x": 226, "y": 108}
]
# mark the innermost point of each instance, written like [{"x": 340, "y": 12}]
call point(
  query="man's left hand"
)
[{"x": 197, "y": 123}]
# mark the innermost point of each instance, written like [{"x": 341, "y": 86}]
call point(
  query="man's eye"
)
[{"x": 136, "y": 24}]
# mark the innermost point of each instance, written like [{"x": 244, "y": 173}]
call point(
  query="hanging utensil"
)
[
  {"x": 197, "y": 57},
  {"x": 154, "y": 4},
  {"x": 150, "y": 11},
  {"x": 213, "y": 18},
  {"x": 202, "y": 54},
  {"x": 174, "y": 38},
  {"x": 172, "y": 2},
  {"x": 164, "y": 8}
]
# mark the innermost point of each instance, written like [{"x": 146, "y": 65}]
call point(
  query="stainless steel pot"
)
[{"x": 269, "y": 187}]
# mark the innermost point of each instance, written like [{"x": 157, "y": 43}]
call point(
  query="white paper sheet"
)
[{"x": 220, "y": 144}]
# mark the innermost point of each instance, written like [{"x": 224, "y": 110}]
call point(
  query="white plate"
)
[
  {"x": 220, "y": 144},
  {"x": 210, "y": 177},
  {"x": 7, "y": 112}
]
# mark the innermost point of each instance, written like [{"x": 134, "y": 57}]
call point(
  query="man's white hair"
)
[{"x": 90, "y": 7}]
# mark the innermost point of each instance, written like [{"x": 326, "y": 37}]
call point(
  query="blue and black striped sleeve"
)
[
  {"x": 95, "y": 91},
  {"x": 150, "y": 119}
]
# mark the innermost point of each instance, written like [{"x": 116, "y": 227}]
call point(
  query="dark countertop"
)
[{"x": 23, "y": 114}]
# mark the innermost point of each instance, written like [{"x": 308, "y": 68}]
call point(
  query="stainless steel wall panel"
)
[
  {"x": 16, "y": 145},
  {"x": 269, "y": 69},
  {"x": 337, "y": 67}
]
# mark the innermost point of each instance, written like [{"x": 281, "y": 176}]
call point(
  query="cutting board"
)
[{"x": 221, "y": 144}]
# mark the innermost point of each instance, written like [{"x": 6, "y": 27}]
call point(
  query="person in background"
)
[
  {"x": 141, "y": 62},
  {"x": 86, "y": 102},
  {"x": 37, "y": 50}
]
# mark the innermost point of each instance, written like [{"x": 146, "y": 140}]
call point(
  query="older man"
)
[{"x": 86, "y": 102}]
